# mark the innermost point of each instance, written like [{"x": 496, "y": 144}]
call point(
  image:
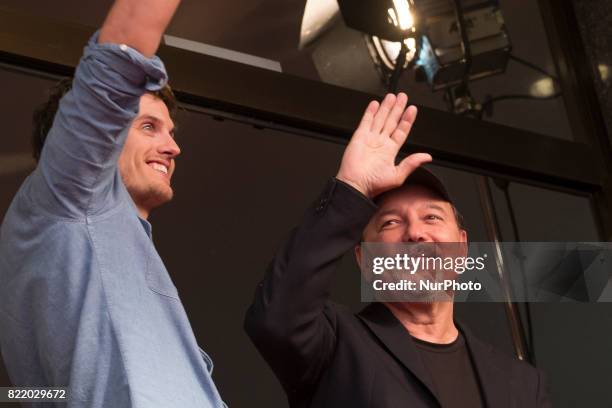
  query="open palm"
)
[{"x": 368, "y": 163}]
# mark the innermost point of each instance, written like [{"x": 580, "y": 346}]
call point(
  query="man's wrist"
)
[
  {"x": 355, "y": 192},
  {"x": 360, "y": 188}
]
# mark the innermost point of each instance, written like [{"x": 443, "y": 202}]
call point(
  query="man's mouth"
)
[{"x": 159, "y": 167}]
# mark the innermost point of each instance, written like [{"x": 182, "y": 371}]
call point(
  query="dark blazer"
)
[{"x": 326, "y": 356}]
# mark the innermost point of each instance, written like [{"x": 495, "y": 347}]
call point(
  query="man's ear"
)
[{"x": 464, "y": 241}]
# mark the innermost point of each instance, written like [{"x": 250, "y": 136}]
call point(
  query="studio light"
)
[
  {"x": 462, "y": 40},
  {"x": 448, "y": 41},
  {"x": 386, "y": 52},
  {"x": 391, "y": 32},
  {"x": 389, "y": 19}
]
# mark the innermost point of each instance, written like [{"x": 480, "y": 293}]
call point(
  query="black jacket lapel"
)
[
  {"x": 389, "y": 330},
  {"x": 494, "y": 382},
  {"x": 397, "y": 340}
]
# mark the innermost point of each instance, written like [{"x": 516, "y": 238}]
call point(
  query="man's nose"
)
[
  {"x": 170, "y": 147},
  {"x": 415, "y": 232}
]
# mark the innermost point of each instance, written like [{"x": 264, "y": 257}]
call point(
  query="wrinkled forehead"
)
[{"x": 405, "y": 202}]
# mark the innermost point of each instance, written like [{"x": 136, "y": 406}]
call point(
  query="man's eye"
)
[
  {"x": 147, "y": 126},
  {"x": 432, "y": 217},
  {"x": 389, "y": 223}
]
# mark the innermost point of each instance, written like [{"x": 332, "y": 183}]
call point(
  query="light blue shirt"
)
[{"x": 85, "y": 300}]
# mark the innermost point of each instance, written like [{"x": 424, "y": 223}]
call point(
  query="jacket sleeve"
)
[
  {"x": 77, "y": 173},
  {"x": 291, "y": 321}
]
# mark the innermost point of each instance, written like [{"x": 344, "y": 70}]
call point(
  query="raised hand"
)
[{"x": 368, "y": 163}]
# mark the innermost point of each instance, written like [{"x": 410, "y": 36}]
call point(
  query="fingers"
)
[
  {"x": 383, "y": 112},
  {"x": 403, "y": 129},
  {"x": 410, "y": 163},
  {"x": 382, "y": 119},
  {"x": 395, "y": 114},
  {"x": 368, "y": 115}
]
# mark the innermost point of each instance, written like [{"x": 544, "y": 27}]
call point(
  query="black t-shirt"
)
[{"x": 452, "y": 372}]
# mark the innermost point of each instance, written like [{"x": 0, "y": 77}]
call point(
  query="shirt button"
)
[{"x": 123, "y": 47}]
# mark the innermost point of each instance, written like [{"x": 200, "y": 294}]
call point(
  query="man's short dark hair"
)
[{"x": 45, "y": 113}]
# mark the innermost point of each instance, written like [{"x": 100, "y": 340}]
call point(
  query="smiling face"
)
[
  {"x": 146, "y": 163},
  {"x": 416, "y": 214}
]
